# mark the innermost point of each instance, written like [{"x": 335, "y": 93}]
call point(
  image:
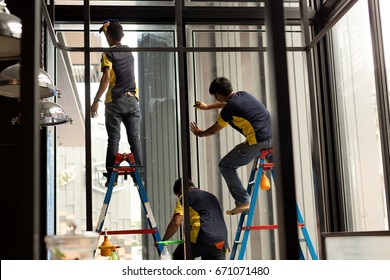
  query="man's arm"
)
[
  {"x": 210, "y": 131},
  {"x": 203, "y": 106},
  {"x": 173, "y": 226},
  {"x": 104, "y": 82}
]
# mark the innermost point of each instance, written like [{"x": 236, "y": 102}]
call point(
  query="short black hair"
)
[
  {"x": 115, "y": 30},
  {"x": 221, "y": 85},
  {"x": 177, "y": 187}
]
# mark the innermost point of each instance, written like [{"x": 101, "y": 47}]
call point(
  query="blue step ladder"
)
[
  {"x": 260, "y": 165},
  {"x": 131, "y": 169}
]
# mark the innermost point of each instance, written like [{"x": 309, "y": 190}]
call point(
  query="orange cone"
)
[
  {"x": 106, "y": 247},
  {"x": 264, "y": 182}
]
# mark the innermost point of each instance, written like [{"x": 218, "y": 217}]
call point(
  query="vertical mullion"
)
[{"x": 281, "y": 129}]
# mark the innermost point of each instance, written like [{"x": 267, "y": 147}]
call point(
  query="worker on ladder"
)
[
  {"x": 121, "y": 100},
  {"x": 251, "y": 118}
]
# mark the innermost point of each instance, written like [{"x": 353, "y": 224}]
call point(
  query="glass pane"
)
[
  {"x": 239, "y": 36},
  {"x": 220, "y": 3},
  {"x": 227, "y": 36},
  {"x": 155, "y": 78},
  {"x": 385, "y": 6},
  {"x": 117, "y": 3},
  {"x": 359, "y": 136},
  {"x": 75, "y": 37},
  {"x": 224, "y": 3},
  {"x": 233, "y": 3},
  {"x": 70, "y": 154},
  {"x": 370, "y": 247},
  {"x": 247, "y": 71}
]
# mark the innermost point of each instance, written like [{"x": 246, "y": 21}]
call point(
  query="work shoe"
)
[
  {"x": 108, "y": 181},
  {"x": 141, "y": 174},
  {"x": 134, "y": 179},
  {"x": 108, "y": 176},
  {"x": 136, "y": 183},
  {"x": 239, "y": 209}
]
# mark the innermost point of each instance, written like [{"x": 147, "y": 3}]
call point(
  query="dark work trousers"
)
[{"x": 206, "y": 252}]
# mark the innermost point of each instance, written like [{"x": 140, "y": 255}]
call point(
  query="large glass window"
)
[
  {"x": 357, "y": 123},
  {"x": 155, "y": 75},
  {"x": 248, "y": 70},
  {"x": 155, "y": 78}
]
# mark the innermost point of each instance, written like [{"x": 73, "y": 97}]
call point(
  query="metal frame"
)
[
  {"x": 278, "y": 60},
  {"x": 332, "y": 197},
  {"x": 382, "y": 93},
  {"x": 30, "y": 212}
]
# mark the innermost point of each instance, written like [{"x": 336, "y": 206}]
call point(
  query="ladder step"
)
[
  {"x": 129, "y": 231},
  {"x": 124, "y": 169},
  {"x": 263, "y": 227},
  {"x": 267, "y": 166}
]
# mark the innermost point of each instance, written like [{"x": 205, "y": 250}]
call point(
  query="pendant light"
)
[
  {"x": 10, "y": 83},
  {"x": 10, "y": 48},
  {"x": 52, "y": 114},
  {"x": 10, "y": 34}
]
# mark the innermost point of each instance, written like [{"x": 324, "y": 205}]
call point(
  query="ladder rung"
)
[
  {"x": 267, "y": 165},
  {"x": 265, "y": 227},
  {"x": 124, "y": 169},
  {"x": 129, "y": 231}
]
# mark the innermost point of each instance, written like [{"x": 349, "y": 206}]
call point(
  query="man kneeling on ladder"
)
[
  {"x": 250, "y": 117},
  {"x": 208, "y": 228}
]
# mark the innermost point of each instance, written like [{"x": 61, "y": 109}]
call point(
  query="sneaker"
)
[{"x": 239, "y": 209}]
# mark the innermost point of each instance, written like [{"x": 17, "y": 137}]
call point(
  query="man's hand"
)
[
  {"x": 200, "y": 105},
  {"x": 104, "y": 27},
  {"x": 94, "y": 109},
  {"x": 204, "y": 133},
  {"x": 195, "y": 129}
]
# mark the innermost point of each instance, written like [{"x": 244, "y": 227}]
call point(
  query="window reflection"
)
[{"x": 359, "y": 135}]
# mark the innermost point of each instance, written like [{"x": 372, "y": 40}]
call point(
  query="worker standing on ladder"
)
[
  {"x": 208, "y": 229},
  {"x": 251, "y": 118},
  {"x": 121, "y": 99}
]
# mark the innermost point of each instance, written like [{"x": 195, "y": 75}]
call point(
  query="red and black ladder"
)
[{"x": 132, "y": 168}]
